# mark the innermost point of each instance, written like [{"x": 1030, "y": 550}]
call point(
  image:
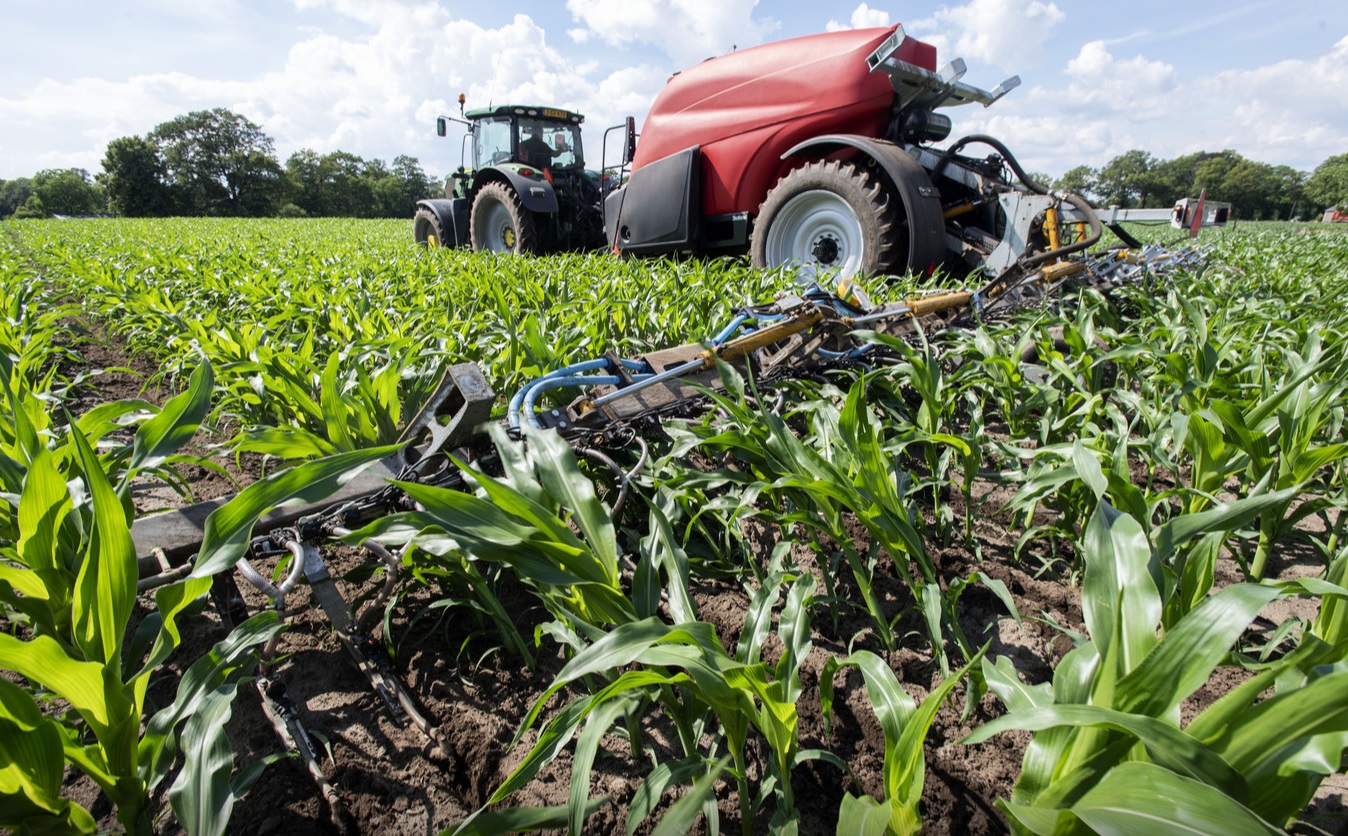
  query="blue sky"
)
[{"x": 1267, "y": 78}]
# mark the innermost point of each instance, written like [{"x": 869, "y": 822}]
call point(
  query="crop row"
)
[{"x": 1143, "y": 439}]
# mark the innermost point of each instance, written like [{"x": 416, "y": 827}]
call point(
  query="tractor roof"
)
[{"x": 533, "y": 111}]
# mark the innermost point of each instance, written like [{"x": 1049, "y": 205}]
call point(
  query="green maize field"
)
[{"x": 1078, "y": 569}]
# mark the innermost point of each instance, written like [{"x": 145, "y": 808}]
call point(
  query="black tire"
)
[
  {"x": 500, "y": 223},
  {"x": 426, "y": 230},
  {"x": 827, "y": 216}
]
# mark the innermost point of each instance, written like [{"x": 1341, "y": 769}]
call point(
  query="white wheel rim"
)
[
  {"x": 500, "y": 237},
  {"x": 817, "y": 232}
]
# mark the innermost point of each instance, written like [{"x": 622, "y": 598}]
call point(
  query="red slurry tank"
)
[
  {"x": 746, "y": 109},
  {"x": 805, "y": 151}
]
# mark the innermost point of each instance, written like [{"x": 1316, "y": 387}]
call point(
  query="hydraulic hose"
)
[
  {"x": 999, "y": 284},
  {"x": 1077, "y": 201},
  {"x": 1010, "y": 158},
  {"x": 1088, "y": 212}
]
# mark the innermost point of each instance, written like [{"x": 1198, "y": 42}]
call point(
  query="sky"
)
[{"x": 1268, "y": 78}]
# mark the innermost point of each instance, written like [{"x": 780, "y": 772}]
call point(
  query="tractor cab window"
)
[
  {"x": 493, "y": 143},
  {"x": 549, "y": 144}
]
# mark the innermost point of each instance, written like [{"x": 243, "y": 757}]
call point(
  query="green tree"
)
[
  {"x": 343, "y": 184},
  {"x": 1171, "y": 180},
  {"x": 68, "y": 191},
  {"x": 134, "y": 177},
  {"x": 1291, "y": 192},
  {"x": 304, "y": 181},
  {"x": 333, "y": 184},
  {"x": 1327, "y": 186},
  {"x": 350, "y": 194},
  {"x": 219, "y": 163},
  {"x": 1040, "y": 178},
  {"x": 32, "y": 208},
  {"x": 1124, "y": 180},
  {"x": 13, "y": 194},
  {"x": 1080, "y": 180},
  {"x": 406, "y": 184},
  {"x": 1255, "y": 190}
]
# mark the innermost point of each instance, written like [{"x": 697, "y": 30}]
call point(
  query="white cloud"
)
[
  {"x": 376, "y": 94},
  {"x": 1008, "y": 33},
  {"x": 863, "y": 17},
  {"x": 1134, "y": 85},
  {"x": 688, "y": 31},
  {"x": 370, "y": 78},
  {"x": 1287, "y": 113}
]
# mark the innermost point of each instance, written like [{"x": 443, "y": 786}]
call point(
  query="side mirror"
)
[
  {"x": 630, "y": 145},
  {"x": 440, "y": 126}
]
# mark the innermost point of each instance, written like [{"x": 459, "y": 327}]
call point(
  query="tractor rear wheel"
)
[
  {"x": 827, "y": 217},
  {"x": 500, "y": 223},
  {"x": 426, "y": 230}
]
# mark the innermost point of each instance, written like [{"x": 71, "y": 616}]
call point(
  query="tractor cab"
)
[{"x": 539, "y": 137}]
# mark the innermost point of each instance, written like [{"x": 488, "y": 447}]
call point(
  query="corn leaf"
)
[
  {"x": 1190, "y": 651},
  {"x": 521, "y": 819},
  {"x": 647, "y": 797},
  {"x": 229, "y": 659},
  {"x": 1145, "y": 798},
  {"x": 105, "y": 589},
  {"x": 31, "y": 767},
  {"x": 1166, "y": 745},
  {"x": 229, "y": 527},
  {"x": 684, "y": 813},
  {"x": 1119, "y": 598},
  {"x": 555, "y": 463},
  {"x": 175, "y": 424},
  {"x": 201, "y": 797},
  {"x": 863, "y": 816}
]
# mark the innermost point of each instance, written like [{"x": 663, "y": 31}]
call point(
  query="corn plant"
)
[
  {"x": 920, "y": 369},
  {"x": 815, "y": 488},
  {"x": 685, "y": 669},
  {"x": 1001, "y": 381},
  {"x": 68, "y": 575},
  {"x": 905, "y": 726},
  {"x": 1283, "y": 438},
  {"x": 515, "y": 522},
  {"x": 34, "y": 329},
  {"x": 1107, "y": 728}
]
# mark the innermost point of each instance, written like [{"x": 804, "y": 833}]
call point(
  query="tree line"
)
[
  {"x": 216, "y": 162},
  {"x": 1255, "y": 190}
]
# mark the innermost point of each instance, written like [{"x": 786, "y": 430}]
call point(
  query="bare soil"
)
[{"x": 477, "y": 694}]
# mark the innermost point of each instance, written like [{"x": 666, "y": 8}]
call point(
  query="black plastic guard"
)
[
  {"x": 536, "y": 194},
  {"x": 658, "y": 210},
  {"x": 453, "y": 217}
]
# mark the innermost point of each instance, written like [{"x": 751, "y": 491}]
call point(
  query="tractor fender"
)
[
  {"x": 453, "y": 218},
  {"x": 536, "y": 193},
  {"x": 921, "y": 200}
]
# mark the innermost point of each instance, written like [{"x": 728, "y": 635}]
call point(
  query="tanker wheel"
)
[
  {"x": 426, "y": 229},
  {"x": 827, "y": 217},
  {"x": 500, "y": 223}
]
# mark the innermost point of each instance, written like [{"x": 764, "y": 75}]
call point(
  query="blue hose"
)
[{"x": 543, "y": 385}]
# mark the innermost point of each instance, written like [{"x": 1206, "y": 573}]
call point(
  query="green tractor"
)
[{"x": 527, "y": 190}]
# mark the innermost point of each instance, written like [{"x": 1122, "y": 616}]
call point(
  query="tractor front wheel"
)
[
  {"x": 826, "y": 217},
  {"x": 500, "y": 223},
  {"x": 426, "y": 230}
]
